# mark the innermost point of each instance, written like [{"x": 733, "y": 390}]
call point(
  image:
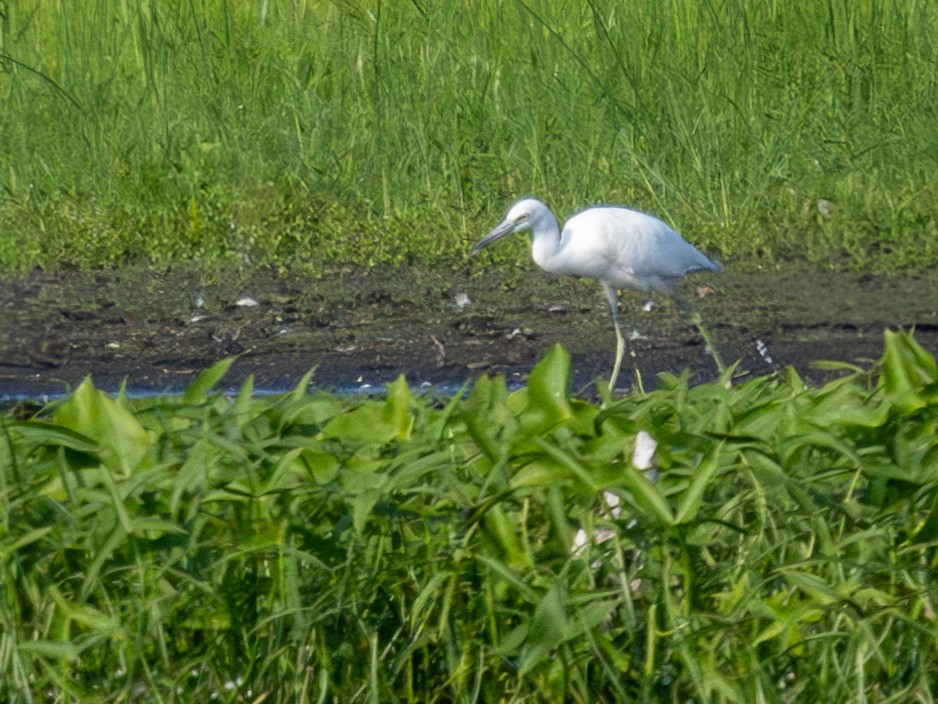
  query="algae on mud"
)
[{"x": 158, "y": 328}]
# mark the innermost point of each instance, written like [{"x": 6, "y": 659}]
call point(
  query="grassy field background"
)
[{"x": 298, "y": 133}]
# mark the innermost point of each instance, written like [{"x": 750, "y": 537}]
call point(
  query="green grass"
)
[
  {"x": 298, "y": 133},
  {"x": 303, "y": 548}
]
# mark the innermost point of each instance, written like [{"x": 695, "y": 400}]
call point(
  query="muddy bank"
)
[{"x": 159, "y": 328}]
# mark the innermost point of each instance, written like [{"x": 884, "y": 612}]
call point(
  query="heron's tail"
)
[{"x": 707, "y": 265}]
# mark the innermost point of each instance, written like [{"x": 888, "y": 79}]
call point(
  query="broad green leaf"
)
[
  {"x": 57, "y": 650},
  {"x": 45, "y": 433},
  {"x": 363, "y": 477},
  {"x": 585, "y": 618},
  {"x": 323, "y": 466},
  {"x": 88, "y": 616},
  {"x": 844, "y": 404},
  {"x": 440, "y": 423},
  {"x": 206, "y": 380},
  {"x": 506, "y": 573},
  {"x": 928, "y": 529},
  {"x": 548, "y": 393},
  {"x": 565, "y": 459},
  {"x": 103, "y": 552},
  {"x": 772, "y": 631},
  {"x": 511, "y": 642},
  {"x": 22, "y": 541},
  {"x": 396, "y": 411},
  {"x": 907, "y": 369},
  {"x": 813, "y": 586},
  {"x": 313, "y": 410},
  {"x": 241, "y": 409},
  {"x": 759, "y": 421},
  {"x": 93, "y": 414},
  {"x": 505, "y": 536},
  {"x": 485, "y": 414},
  {"x": 368, "y": 423},
  {"x": 791, "y": 448},
  {"x": 560, "y": 522},
  {"x": 692, "y": 497},
  {"x": 646, "y": 496},
  {"x": 155, "y": 525},
  {"x": 362, "y": 505},
  {"x": 195, "y": 472},
  {"x": 539, "y": 472},
  {"x": 301, "y": 390},
  {"x": 429, "y": 593},
  {"x": 547, "y": 629}
]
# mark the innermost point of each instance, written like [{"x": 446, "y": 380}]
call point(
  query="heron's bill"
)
[{"x": 506, "y": 228}]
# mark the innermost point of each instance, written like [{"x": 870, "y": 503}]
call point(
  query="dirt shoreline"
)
[{"x": 157, "y": 329}]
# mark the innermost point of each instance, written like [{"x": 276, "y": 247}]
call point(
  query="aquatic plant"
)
[{"x": 308, "y": 548}]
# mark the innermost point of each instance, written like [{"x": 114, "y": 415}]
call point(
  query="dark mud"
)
[{"x": 157, "y": 329}]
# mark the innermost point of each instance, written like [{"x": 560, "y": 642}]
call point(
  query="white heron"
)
[{"x": 619, "y": 247}]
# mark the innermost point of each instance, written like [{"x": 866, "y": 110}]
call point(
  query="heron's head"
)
[{"x": 521, "y": 216}]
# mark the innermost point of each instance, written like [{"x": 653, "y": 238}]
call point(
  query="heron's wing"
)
[{"x": 628, "y": 249}]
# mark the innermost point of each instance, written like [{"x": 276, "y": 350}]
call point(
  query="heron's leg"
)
[
  {"x": 620, "y": 352},
  {"x": 613, "y": 297},
  {"x": 697, "y": 320}
]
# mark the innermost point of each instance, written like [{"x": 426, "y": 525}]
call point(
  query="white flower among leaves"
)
[{"x": 643, "y": 458}]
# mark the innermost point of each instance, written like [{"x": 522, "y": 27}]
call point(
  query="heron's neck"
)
[{"x": 545, "y": 239}]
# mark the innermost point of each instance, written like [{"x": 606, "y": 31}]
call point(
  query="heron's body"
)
[{"x": 619, "y": 247}]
